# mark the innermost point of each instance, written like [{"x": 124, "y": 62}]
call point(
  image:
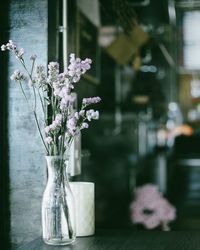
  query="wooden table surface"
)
[{"x": 127, "y": 240}]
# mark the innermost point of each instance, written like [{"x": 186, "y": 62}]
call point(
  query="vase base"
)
[{"x": 58, "y": 242}]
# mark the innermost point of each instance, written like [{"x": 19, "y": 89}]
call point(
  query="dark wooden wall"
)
[{"x": 4, "y": 168}]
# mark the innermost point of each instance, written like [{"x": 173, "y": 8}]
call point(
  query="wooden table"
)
[{"x": 127, "y": 240}]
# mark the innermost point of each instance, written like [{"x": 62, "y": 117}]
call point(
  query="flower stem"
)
[
  {"x": 37, "y": 123},
  {"x": 32, "y": 67},
  {"x": 30, "y": 76},
  {"x": 23, "y": 92},
  {"x": 42, "y": 104},
  {"x": 34, "y": 107}
]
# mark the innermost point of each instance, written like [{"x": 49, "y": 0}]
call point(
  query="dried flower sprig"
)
[{"x": 55, "y": 89}]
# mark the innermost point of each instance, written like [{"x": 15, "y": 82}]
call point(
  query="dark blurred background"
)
[{"x": 146, "y": 70}]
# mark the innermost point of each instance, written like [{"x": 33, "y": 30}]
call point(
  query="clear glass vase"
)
[{"x": 58, "y": 209}]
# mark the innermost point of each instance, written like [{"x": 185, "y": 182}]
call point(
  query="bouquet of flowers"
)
[
  {"x": 151, "y": 209},
  {"x": 54, "y": 92}
]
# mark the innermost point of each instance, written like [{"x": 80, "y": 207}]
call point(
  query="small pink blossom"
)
[{"x": 151, "y": 209}]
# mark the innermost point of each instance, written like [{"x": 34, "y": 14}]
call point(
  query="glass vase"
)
[{"x": 58, "y": 209}]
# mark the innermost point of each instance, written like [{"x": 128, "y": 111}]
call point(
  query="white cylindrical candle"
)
[{"x": 84, "y": 203}]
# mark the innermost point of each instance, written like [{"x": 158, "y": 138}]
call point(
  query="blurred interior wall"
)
[{"x": 28, "y": 28}]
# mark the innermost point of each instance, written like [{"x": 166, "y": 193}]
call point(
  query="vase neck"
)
[{"x": 56, "y": 166}]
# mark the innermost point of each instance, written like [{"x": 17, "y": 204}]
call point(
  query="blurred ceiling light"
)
[
  {"x": 107, "y": 35},
  {"x": 148, "y": 68},
  {"x": 193, "y": 115},
  {"x": 140, "y": 99},
  {"x": 173, "y": 106}
]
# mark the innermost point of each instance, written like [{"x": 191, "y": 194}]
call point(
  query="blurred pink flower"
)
[{"x": 151, "y": 209}]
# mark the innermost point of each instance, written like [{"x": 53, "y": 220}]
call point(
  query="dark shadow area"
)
[{"x": 4, "y": 167}]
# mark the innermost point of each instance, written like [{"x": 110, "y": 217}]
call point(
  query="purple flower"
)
[
  {"x": 39, "y": 68},
  {"x": 53, "y": 71},
  {"x": 17, "y": 76},
  {"x": 91, "y": 114},
  {"x": 72, "y": 58},
  {"x": 76, "y": 78},
  {"x": 71, "y": 123},
  {"x": 62, "y": 89},
  {"x": 76, "y": 115},
  {"x": 72, "y": 126},
  {"x": 19, "y": 53},
  {"x": 85, "y": 65},
  {"x": 95, "y": 115},
  {"x": 78, "y": 67},
  {"x": 84, "y": 125},
  {"x": 33, "y": 57},
  {"x": 82, "y": 113},
  {"x": 58, "y": 119},
  {"x": 11, "y": 45},
  {"x": 91, "y": 100},
  {"x": 66, "y": 98},
  {"x": 65, "y": 123},
  {"x": 40, "y": 75},
  {"x": 62, "y": 78},
  {"x": 3, "y": 47},
  {"x": 52, "y": 66},
  {"x": 55, "y": 124},
  {"x": 52, "y": 126},
  {"x": 65, "y": 91}
]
